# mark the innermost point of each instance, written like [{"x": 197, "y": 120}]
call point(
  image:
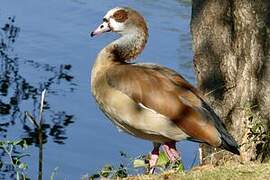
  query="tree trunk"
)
[{"x": 231, "y": 43}]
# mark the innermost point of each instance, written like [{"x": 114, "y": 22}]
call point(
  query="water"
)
[{"x": 53, "y": 49}]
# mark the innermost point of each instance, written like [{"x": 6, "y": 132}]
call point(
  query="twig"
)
[
  {"x": 41, "y": 106},
  {"x": 39, "y": 127},
  {"x": 31, "y": 119},
  {"x": 40, "y": 138}
]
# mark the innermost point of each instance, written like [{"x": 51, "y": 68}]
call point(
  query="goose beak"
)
[{"x": 104, "y": 27}]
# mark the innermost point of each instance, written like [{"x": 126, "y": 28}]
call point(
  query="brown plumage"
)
[
  {"x": 166, "y": 93},
  {"x": 147, "y": 100}
]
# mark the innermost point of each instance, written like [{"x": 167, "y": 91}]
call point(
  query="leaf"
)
[
  {"x": 178, "y": 166},
  {"x": 94, "y": 176},
  {"x": 16, "y": 142},
  {"x": 106, "y": 170},
  {"x": 23, "y": 166},
  {"x": 163, "y": 160},
  {"x": 139, "y": 163},
  {"x": 1, "y": 144},
  {"x": 20, "y": 142},
  {"x": 121, "y": 172},
  {"x": 31, "y": 119}
]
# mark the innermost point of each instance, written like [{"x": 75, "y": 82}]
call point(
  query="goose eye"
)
[
  {"x": 120, "y": 15},
  {"x": 105, "y": 20}
]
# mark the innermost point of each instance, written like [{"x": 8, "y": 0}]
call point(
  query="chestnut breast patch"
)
[{"x": 120, "y": 15}]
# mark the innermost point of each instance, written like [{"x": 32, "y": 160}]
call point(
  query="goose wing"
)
[{"x": 169, "y": 94}]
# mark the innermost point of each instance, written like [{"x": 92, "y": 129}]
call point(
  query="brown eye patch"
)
[{"x": 120, "y": 15}]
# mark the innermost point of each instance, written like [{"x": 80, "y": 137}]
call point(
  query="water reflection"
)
[
  {"x": 53, "y": 32},
  {"x": 60, "y": 120},
  {"x": 16, "y": 93}
]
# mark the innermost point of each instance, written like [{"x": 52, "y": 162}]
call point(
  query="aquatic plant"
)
[
  {"x": 14, "y": 158},
  {"x": 131, "y": 166},
  {"x": 15, "y": 91}
]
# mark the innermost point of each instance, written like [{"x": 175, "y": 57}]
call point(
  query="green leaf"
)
[
  {"x": 139, "y": 163},
  {"x": 163, "y": 160},
  {"x": 106, "y": 170},
  {"x": 17, "y": 142},
  {"x": 1, "y": 144},
  {"x": 178, "y": 166},
  {"x": 23, "y": 166},
  {"x": 94, "y": 176},
  {"x": 121, "y": 172}
]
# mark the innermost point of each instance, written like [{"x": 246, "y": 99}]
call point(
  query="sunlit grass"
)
[{"x": 228, "y": 171}]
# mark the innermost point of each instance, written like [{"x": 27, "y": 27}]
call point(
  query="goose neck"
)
[{"x": 128, "y": 46}]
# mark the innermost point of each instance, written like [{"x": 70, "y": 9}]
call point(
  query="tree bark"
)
[{"x": 231, "y": 44}]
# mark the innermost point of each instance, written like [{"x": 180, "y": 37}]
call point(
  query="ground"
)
[{"x": 207, "y": 172}]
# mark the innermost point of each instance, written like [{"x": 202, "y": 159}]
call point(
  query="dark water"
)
[{"x": 46, "y": 44}]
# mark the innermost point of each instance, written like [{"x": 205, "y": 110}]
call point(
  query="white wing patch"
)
[
  {"x": 151, "y": 121},
  {"x": 153, "y": 111}
]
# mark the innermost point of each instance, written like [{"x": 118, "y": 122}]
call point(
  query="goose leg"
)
[
  {"x": 154, "y": 157},
  {"x": 171, "y": 151}
]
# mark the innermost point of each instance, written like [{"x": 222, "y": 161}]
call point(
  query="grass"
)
[{"x": 207, "y": 172}]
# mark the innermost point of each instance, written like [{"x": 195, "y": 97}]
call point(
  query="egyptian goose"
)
[{"x": 150, "y": 101}]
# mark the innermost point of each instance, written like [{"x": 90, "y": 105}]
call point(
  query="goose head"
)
[
  {"x": 132, "y": 28},
  {"x": 122, "y": 20}
]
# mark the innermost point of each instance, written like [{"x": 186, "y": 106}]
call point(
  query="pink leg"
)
[
  {"x": 170, "y": 150},
  {"x": 154, "y": 157}
]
